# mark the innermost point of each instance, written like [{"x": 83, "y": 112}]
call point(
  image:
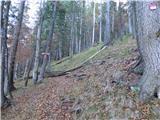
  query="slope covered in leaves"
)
[{"x": 102, "y": 89}]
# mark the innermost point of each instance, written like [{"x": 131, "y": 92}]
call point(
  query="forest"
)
[{"x": 80, "y": 59}]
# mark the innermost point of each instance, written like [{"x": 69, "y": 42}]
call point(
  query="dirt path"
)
[{"x": 42, "y": 102}]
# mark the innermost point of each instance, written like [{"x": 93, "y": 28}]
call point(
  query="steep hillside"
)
[{"x": 100, "y": 90}]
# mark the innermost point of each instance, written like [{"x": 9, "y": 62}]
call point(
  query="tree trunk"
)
[
  {"x": 4, "y": 23},
  {"x": 133, "y": 19},
  {"x": 100, "y": 22},
  {"x": 38, "y": 40},
  {"x": 83, "y": 28},
  {"x": 149, "y": 45},
  {"x": 15, "y": 44},
  {"x": 26, "y": 69},
  {"x": 6, "y": 14},
  {"x": 80, "y": 38},
  {"x": 129, "y": 17},
  {"x": 107, "y": 38},
  {"x": 93, "y": 32},
  {"x": 49, "y": 41},
  {"x": 29, "y": 70}
]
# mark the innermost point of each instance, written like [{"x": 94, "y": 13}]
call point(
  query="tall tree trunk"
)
[
  {"x": 149, "y": 45},
  {"x": 80, "y": 38},
  {"x": 49, "y": 42},
  {"x": 83, "y": 27},
  {"x": 133, "y": 19},
  {"x": 76, "y": 37},
  {"x": 38, "y": 40},
  {"x": 6, "y": 14},
  {"x": 15, "y": 44},
  {"x": 100, "y": 22},
  {"x": 130, "y": 17},
  {"x": 3, "y": 48},
  {"x": 107, "y": 38},
  {"x": 112, "y": 25},
  {"x": 94, "y": 19}
]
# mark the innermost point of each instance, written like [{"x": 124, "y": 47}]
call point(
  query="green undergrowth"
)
[
  {"x": 75, "y": 60},
  {"x": 119, "y": 49}
]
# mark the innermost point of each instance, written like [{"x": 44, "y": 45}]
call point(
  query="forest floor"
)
[{"x": 102, "y": 89}]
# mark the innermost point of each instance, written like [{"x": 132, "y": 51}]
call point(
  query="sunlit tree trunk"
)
[{"x": 147, "y": 24}]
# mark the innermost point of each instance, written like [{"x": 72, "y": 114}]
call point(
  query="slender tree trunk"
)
[
  {"x": 149, "y": 45},
  {"x": 26, "y": 69},
  {"x": 133, "y": 19},
  {"x": 76, "y": 37},
  {"x": 94, "y": 17},
  {"x": 107, "y": 38},
  {"x": 59, "y": 50},
  {"x": 49, "y": 41},
  {"x": 112, "y": 25},
  {"x": 71, "y": 41},
  {"x": 129, "y": 18},
  {"x": 15, "y": 44},
  {"x": 16, "y": 71},
  {"x": 100, "y": 22},
  {"x": 29, "y": 69},
  {"x": 38, "y": 40},
  {"x": 83, "y": 27},
  {"x": 80, "y": 38}
]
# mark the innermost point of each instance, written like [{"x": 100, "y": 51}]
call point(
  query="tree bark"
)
[
  {"x": 100, "y": 22},
  {"x": 26, "y": 69},
  {"x": 6, "y": 14},
  {"x": 38, "y": 40},
  {"x": 3, "y": 48},
  {"x": 107, "y": 38},
  {"x": 149, "y": 45},
  {"x": 129, "y": 17},
  {"x": 94, "y": 19},
  {"x": 15, "y": 44},
  {"x": 49, "y": 41}
]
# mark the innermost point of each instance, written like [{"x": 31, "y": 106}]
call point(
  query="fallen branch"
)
[
  {"x": 61, "y": 61},
  {"x": 61, "y": 73},
  {"x": 81, "y": 65}
]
